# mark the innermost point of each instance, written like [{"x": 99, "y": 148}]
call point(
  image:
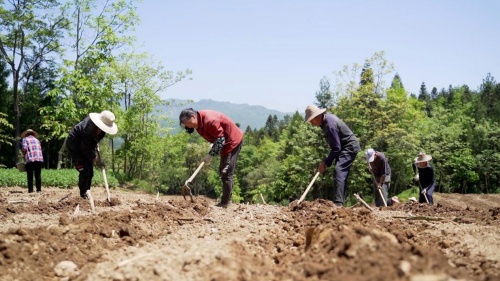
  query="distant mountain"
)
[{"x": 246, "y": 115}]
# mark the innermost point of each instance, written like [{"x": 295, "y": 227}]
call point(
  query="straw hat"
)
[
  {"x": 29, "y": 131},
  {"x": 105, "y": 121},
  {"x": 312, "y": 111},
  {"x": 422, "y": 157}
]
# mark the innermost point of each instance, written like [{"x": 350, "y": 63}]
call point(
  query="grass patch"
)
[
  {"x": 64, "y": 178},
  {"x": 405, "y": 194}
]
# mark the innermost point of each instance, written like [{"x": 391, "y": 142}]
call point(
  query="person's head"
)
[
  {"x": 314, "y": 115},
  {"x": 29, "y": 132},
  {"x": 370, "y": 155},
  {"x": 422, "y": 160},
  {"x": 188, "y": 119}
]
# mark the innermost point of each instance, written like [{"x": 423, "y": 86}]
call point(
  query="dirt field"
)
[{"x": 141, "y": 238}]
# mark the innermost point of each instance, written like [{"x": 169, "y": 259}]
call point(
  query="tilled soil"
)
[{"x": 140, "y": 237}]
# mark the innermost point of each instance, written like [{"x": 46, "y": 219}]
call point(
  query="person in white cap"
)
[
  {"x": 378, "y": 166},
  {"x": 33, "y": 158},
  {"x": 82, "y": 144},
  {"x": 344, "y": 146},
  {"x": 424, "y": 177}
]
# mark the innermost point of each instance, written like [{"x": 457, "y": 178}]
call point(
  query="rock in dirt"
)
[{"x": 66, "y": 269}]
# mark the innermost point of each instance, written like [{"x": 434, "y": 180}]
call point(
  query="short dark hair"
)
[{"x": 186, "y": 114}]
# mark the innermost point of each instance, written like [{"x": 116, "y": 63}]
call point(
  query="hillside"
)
[{"x": 254, "y": 116}]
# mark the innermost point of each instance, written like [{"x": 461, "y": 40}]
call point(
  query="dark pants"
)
[
  {"x": 385, "y": 192},
  {"x": 430, "y": 191},
  {"x": 36, "y": 169},
  {"x": 342, "y": 167},
  {"x": 85, "y": 176},
  {"x": 226, "y": 171}
]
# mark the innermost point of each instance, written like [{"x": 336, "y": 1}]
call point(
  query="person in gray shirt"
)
[
  {"x": 344, "y": 146},
  {"x": 378, "y": 166}
]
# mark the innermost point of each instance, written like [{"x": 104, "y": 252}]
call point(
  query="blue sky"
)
[{"x": 274, "y": 53}]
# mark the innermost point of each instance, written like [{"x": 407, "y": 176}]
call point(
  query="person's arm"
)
[
  {"x": 217, "y": 146},
  {"x": 24, "y": 146},
  {"x": 332, "y": 136}
]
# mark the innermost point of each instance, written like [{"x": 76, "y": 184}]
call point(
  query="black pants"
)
[
  {"x": 226, "y": 171},
  {"x": 85, "y": 176},
  {"x": 36, "y": 169}
]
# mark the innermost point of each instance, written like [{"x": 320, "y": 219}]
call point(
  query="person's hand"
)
[
  {"x": 424, "y": 191},
  {"x": 207, "y": 159},
  {"x": 417, "y": 177},
  {"x": 322, "y": 167},
  {"x": 99, "y": 163},
  {"x": 379, "y": 186}
]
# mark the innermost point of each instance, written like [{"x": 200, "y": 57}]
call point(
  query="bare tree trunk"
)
[
  {"x": 60, "y": 154},
  {"x": 17, "y": 116}
]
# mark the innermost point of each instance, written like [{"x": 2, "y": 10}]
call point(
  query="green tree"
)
[
  {"x": 86, "y": 84},
  {"x": 397, "y": 82},
  {"x": 425, "y": 97},
  {"x": 324, "y": 96},
  {"x": 30, "y": 34},
  {"x": 140, "y": 79}
]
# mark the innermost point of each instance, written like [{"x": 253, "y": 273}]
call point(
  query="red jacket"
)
[{"x": 213, "y": 125}]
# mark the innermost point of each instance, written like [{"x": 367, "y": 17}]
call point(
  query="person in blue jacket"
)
[{"x": 344, "y": 146}]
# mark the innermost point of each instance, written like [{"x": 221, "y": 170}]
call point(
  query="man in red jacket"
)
[{"x": 226, "y": 139}]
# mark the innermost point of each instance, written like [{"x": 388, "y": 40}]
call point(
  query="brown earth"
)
[{"x": 140, "y": 238}]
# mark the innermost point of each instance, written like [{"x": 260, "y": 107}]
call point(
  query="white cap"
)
[{"x": 370, "y": 155}]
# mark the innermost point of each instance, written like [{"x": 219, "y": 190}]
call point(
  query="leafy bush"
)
[{"x": 64, "y": 178}]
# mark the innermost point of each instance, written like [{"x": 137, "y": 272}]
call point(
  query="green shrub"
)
[
  {"x": 64, "y": 178},
  {"x": 407, "y": 193}
]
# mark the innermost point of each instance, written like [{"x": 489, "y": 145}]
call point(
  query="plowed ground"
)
[{"x": 138, "y": 237}]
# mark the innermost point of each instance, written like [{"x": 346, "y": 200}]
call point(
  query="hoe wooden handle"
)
[
  {"x": 195, "y": 172},
  {"x": 308, "y": 187}
]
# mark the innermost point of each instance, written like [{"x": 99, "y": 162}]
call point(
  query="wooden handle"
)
[
  {"x": 105, "y": 179},
  {"x": 195, "y": 172},
  {"x": 308, "y": 187}
]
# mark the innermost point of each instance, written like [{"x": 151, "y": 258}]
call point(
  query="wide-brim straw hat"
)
[
  {"x": 29, "y": 131},
  {"x": 422, "y": 157},
  {"x": 313, "y": 111},
  {"x": 105, "y": 121}
]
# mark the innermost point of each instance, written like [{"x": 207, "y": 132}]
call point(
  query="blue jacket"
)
[{"x": 339, "y": 137}]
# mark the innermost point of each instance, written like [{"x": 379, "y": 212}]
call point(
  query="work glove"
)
[
  {"x": 417, "y": 177},
  {"x": 379, "y": 186},
  {"x": 99, "y": 163},
  {"x": 424, "y": 191},
  {"x": 322, "y": 167},
  {"x": 207, "y": 159}
]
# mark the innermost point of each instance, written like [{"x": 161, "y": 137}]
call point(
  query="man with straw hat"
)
[
  {"x": 33, "y": 158},
  {"x": 424, "y": 177},
  {"x": 82, "y": 143},
  {"x": 344, "y": 146}
]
